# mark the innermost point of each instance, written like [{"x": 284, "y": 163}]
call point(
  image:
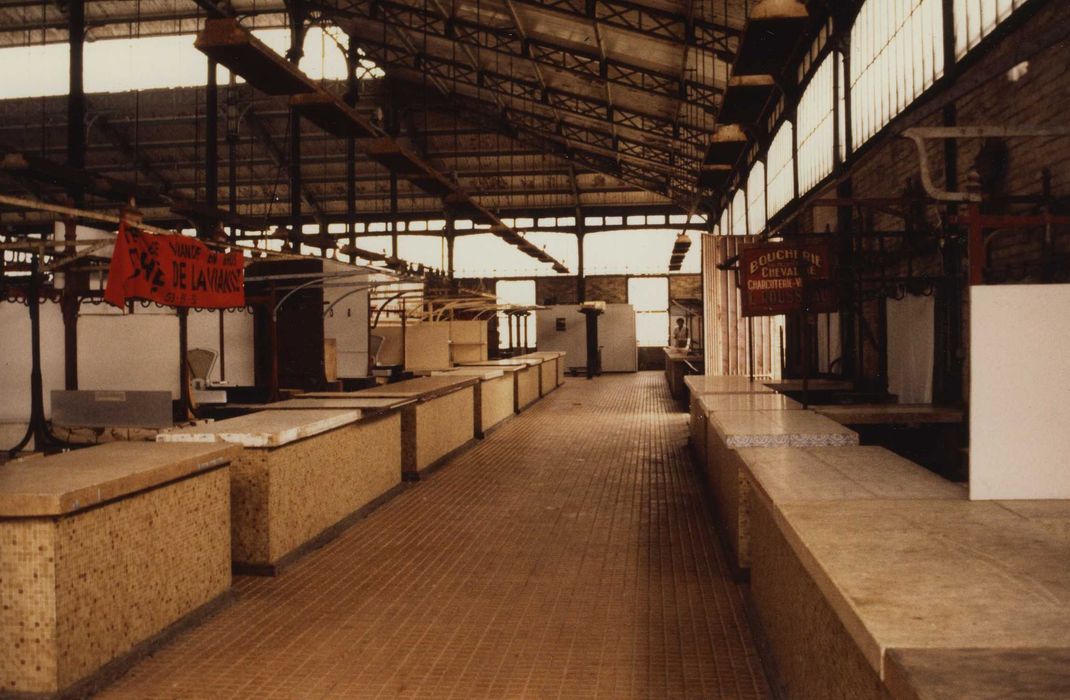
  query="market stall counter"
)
[
  {"x": 526, "y": 378},
  {"x": 303, "y": 476},
  {"x": 104, "y": 552},
  {"x": 729, "y": 431},
  {"x": 441, "y": 422},
  {"x": 495, "y": 396}
]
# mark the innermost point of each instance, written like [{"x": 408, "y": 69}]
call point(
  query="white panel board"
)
[
  {"x": 15, "y": 361},
  {"x": 238, "y": 359},
  {"x": 136, "y": 351},
  {"x": 1019, "y": 392},
  {"x": 616, "y": 335},
  {"x": 910, "y": 348},
  {"x": 347, "y": 324},
  {"x": 239, "y": 335}
]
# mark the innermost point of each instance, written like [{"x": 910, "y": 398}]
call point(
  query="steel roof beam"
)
[
  {"x": 119, "y": 141},
  {"x": 589, "y": 65},
  {"x": 263, "y": 135},
  {"x": 529, "y": 129},
  {"x": 592, "y": 111},
  {"x": 193, "y": 13},
  {"x": 221, "y": 8}
]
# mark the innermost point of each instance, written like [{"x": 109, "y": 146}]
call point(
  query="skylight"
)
[{"x": 147, "y": 63}]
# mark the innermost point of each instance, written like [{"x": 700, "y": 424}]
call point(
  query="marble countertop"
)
[
  {"x": 887, "y": 414},
  {"x": 815, "y": 384},
  {"x": 542, "y": 355},
  {"x": 264, "y": 429},
  {"x": 779, "y": 429},
  {"x": 747, "y": 402},
  {"x": 934, "y": 573},
  {"x": 422, "y": 388},
  {"x": 794, "y": 474},
  {"x": 681, "y": 355},
  {"x": 350, "y": 401},
  {"x": 953, "y": 674},
  {"x": 510, "y": 362},
  {"x": 72, "y": 481},
  {"x": 484, "y": 373},
  {"x": 707, "y": 384}
]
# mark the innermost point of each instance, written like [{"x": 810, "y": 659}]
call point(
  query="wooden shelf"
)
[{"x": 231, "y": 45}]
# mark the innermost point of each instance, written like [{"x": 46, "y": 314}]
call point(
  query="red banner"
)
[
  {"x": 175, "y": 271},
  {"x": 784, "y": 278}
]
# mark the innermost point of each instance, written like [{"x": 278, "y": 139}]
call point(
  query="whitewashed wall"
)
[
  {"x": 15, "y": 365},
  {"x": 137, "y": 351}
]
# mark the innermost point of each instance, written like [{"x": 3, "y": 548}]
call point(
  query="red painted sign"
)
[
  {"x": 174, "y": 270},
  {"x": 786, "y": 278}
]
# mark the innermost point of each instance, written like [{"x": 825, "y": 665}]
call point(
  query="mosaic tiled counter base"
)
[
  {"x": 729, "y": 431},
  {"x": 442, "y": 421},
  {"x": 525, "y": 375},
  {"x": 301, "y": 474},
  {"x": 494, "y": 395},
  {"x": 101, "y": 551},
  {"x": 551, "y": 371}
]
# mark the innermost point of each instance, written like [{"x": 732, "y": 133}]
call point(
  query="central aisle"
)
[{"x": 569, "y": 554}]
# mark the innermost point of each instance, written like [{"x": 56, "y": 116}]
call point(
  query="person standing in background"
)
[{"x": 680, "y": 334}]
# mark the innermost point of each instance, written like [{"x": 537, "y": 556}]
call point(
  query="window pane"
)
[
  {"x": 652, "y": 329},
  {"x": 429, "y": 251},
  {"x": 640, "y": 252},
  {"x": 756, "y": 199},
  {"x": 739, "y": 213},
  {"x": 779, "y": 170},
  {"x": 649, "y": 293},
  {"x": 890, "y": 39},
  {"x": 815, "y": 124},
  {"x": 143, "y": 63},
  {"x": 486, "y": 255},
  {"x": 974, "y": 19},
  {"x": 35, "y": 71}
]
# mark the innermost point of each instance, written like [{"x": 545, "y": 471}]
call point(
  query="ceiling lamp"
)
[{"x": 679, "y": 251}]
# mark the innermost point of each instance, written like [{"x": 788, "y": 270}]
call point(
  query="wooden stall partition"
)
[{"x": 728, "y": 345}]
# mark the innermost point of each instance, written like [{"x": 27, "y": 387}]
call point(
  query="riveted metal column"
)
[
  {"x": 296, "y": 10},
  {"x": 581, "y": 279},
  {"x": 211, "y": 148},
  {"x": 76, "y": 144},
  {"x": 76, "y": 93},
  {"x": 352, "y": 62}
]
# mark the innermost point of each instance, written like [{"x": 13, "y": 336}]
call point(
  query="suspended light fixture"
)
[{"x": 679, "y": 251}]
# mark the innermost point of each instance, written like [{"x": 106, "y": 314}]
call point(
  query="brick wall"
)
[
  {"x": 1040, "y": 96},
  {"x": 612, "y": 289}
]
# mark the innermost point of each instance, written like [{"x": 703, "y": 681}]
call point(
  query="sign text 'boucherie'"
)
[
  {"x": 786, "y": 278},
  {"x": 174, "y": 270}
]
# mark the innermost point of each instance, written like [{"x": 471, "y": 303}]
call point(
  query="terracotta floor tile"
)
[{"x": 568, "y": 555}]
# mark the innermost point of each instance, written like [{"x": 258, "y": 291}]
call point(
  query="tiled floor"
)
[{"x": 568, "y": 555}]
